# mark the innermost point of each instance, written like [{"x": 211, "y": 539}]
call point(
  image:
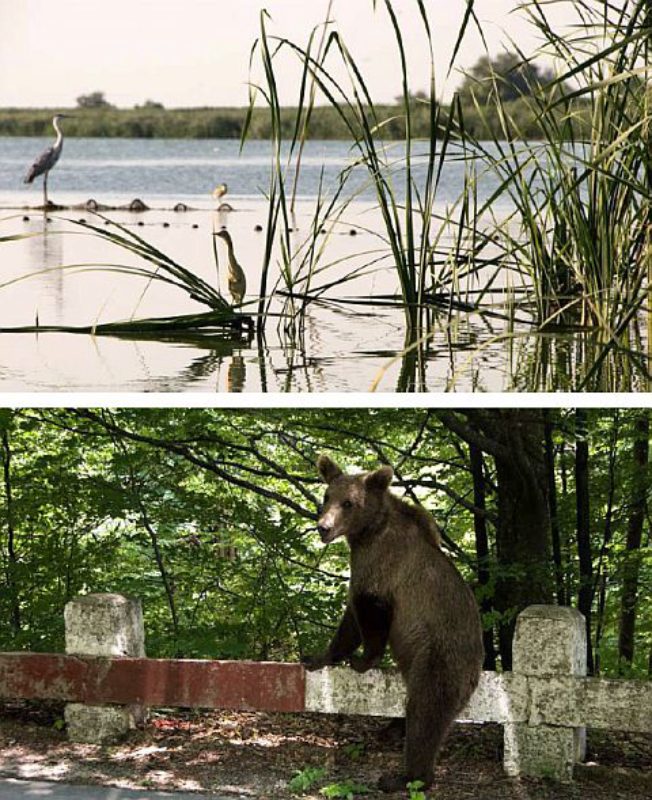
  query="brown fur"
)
[{"x": 406, "y": 593}]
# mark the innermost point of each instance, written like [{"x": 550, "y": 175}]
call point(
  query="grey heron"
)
[
  {"x": 237, "y": 281},
  {"x": 47, "y": 159}
]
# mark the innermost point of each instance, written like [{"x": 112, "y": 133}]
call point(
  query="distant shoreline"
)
[
  {"x": 176, "y": 123},
  {"x": 228, "y": 123}
]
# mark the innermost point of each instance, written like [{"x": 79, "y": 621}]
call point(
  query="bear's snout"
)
[
  {"x": 328, "y": 528},
  {"x": 325, "y": 531}
]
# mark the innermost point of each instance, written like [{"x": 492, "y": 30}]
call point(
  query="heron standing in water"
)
[
  {"x": 237, "y": 281},
  {"x": 47, "y": 159}
]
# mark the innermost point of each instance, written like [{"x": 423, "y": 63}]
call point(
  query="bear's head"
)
[{"x": 352, "y": 503}]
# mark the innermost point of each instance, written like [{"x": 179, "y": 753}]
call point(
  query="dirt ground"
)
[{"x": 255, "y": 755}]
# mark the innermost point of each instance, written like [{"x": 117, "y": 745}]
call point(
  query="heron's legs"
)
[{"x": 45, "y": 189}]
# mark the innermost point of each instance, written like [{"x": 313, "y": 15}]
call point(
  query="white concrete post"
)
[
  {"x": 549, "y": 644},
  {"x": 103, "y": 625}
]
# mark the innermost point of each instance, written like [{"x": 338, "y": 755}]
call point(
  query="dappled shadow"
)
[{"x": 256, "y": 754}]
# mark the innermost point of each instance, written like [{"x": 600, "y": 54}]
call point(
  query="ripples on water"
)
[{"x": 190, "y": 167}]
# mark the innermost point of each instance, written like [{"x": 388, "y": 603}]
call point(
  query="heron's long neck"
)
[
  {"x": 231, "y": 255},
  {"x": 59, "y": 142}
]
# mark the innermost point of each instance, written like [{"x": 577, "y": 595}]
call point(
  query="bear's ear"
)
[
  {"x": 328, "y": 469},
  {"x": 380, "y": 479}
]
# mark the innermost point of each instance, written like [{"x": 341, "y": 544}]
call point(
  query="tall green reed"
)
[
  {"x": 406, "y": 209},
  {"x": 581, "y": 196},
  {"x": 574, "y": 250}
]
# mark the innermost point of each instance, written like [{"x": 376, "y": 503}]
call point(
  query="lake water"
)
[
  {"x": 342, "y": 346},
  {"x": 183, "y": 169}
]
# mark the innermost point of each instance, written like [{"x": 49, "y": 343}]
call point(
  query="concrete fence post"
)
[
  {"x": 103, "y": 625},
  {"x": 549, "y": 646}
]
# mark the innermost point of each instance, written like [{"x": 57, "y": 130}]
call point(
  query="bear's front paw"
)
[
  {"x": 315, "y": 662},
  {"x": 362, "y": 664}
]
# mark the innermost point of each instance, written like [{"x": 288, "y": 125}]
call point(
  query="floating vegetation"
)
[
  {"x": 190, "y": 326},
  {"x": 158, "y": 267}
]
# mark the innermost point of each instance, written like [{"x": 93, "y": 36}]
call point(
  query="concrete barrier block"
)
[
  {"x": 99, "y": 724},
  {"x": 103, "y": 625},
  {"x": 340, "y": 690},
  {"x": 542, "y": 751},
  {"x": 549, "y": 648},
  {"x": 500, "y": 697}
]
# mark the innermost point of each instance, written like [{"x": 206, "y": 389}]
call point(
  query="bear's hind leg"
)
[{"x": 433, "y": 704}]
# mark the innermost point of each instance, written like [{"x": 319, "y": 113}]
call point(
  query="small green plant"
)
[
  {"x": 415, "y": 790},
  {"x": 305, "y": 779},
  {"x": 354, "y": 750},
  {"x": 59, "y": 724},
  {"x": 347, "y": 790}
]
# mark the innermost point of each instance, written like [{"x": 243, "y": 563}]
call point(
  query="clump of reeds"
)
[
  {"x": 579, "y": 233},
  {"x": 156, "y": 266},
  {"x": 411, "y": 230},
  {"x": 574, "y": 247}
]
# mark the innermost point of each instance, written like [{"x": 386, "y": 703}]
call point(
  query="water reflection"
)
[
  {"x": 237, "y": 374},
  {"x": 46, "y": 253},
  {"x": 333, "y": 347}
]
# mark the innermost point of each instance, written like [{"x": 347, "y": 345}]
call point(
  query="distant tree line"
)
[
  {"x": 150, "y": 122},
  {"x": 507, "y": 76}
]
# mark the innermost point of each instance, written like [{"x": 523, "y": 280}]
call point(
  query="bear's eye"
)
[{"x": 347, "y": 504}]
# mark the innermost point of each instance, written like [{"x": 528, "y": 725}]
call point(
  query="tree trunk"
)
[
  {"x": 515, "y": 438},
  {"x": 632, "y": 560},
  {"x": 585, "y": 591},
  {"x": 554, "y": 520},
  {"x": 602, "y": 577},
  {"x": 482, "y": 553},
  {"x": 522, "y": 545},
  {"x": 12, "y": 559}
]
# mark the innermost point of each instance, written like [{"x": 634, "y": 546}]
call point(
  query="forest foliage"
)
[{"x": 208, "y": 516}]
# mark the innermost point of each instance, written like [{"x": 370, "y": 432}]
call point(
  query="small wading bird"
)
[
  {"x": 220, "y": 190},
  {"x": 47, "y": 159},
  {"x": 237, "y": 281}
]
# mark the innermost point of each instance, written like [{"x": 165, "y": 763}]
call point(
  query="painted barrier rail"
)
[{"x": 545, "y": 704}]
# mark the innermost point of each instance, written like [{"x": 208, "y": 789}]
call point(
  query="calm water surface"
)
[
  {"x": 342, "y": 347},
  {"x": 184, "y": 169}
]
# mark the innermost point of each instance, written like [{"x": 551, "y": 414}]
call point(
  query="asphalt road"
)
[{"x": 11, "y": 789}]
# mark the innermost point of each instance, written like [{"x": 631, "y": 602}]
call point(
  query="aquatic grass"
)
[
  {"x": 406, "y": 211},
  {"x": 15, "y": 237},
  {"x": 281, "y": 168},
  {"x": 163, "y": 269},
  {"x": 574, "y": 251},
  {"x": 189, "y": 327},
  {"x": 582, "y": 195}
]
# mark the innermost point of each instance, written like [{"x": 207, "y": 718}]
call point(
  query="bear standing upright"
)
[{"x": 403, "y": 591}]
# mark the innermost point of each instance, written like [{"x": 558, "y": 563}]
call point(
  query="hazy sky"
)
[{"x": 196, "y": 52}]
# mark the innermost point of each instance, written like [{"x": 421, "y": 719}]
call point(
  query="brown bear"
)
[{"x": 403, "y": 591}]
